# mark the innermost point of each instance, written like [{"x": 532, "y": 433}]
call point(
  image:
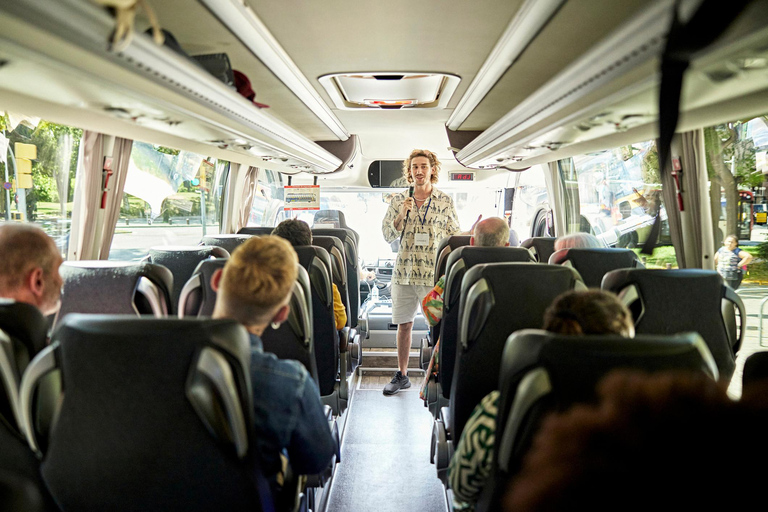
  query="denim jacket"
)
[{"x": 289, "y": 414}]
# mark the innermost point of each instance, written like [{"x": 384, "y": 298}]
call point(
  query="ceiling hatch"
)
[{"x": 390, "y": 90}]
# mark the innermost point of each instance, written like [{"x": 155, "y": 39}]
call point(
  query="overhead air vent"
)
[{"x": 390, "y": 90}]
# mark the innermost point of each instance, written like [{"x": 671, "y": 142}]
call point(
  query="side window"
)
[
  {"x": 38, "y": 165},
  {"x": 267, "y": 206},
  {"x": 618, "y": 194},
  {"x": 530, "y": 203},
  {"x": 171, "y": 197}
]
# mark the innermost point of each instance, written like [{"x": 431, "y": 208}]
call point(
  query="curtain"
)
[
  {"x": 246, "y": 201},
  {"x": 87, "y": 197},
  {"x": 121, "y": 158},
  {"x": 701, "y": 247}
]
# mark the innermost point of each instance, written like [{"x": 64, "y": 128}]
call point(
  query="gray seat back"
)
[
  {"x": 542, "y": 247},
  {"x": 162, "y": 406},
  {"x": 115, "y": 287},
  {"x": 683, "y": 300},
  {"x": 182, "y": 261},
  {"x": 593, "y": 264},
  {"x": 496, "y": 300},
  {"x": 542, "y": 372},
  {"x": 227, "y": 242}
]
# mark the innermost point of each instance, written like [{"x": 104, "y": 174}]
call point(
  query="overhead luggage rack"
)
[{"x": 59, "y": 52}]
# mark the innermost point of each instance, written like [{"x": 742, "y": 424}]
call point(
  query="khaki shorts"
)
[{"x": 406, "y": 301}]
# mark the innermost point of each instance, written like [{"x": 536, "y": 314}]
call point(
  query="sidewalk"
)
[{"x": 752, "y": 295}]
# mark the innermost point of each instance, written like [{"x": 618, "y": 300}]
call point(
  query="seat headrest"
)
[{"x": 25, "y": 323}]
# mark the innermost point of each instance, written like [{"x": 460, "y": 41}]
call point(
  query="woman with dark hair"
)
[{"x": 574, "y": 312}]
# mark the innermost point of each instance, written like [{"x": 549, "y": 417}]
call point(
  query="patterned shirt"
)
[
  {"x": 471, "y": 464},
  {"x": 437, "y": 218}
]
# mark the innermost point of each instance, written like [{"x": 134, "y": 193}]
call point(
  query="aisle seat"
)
[{"x": 497, "y": 299}]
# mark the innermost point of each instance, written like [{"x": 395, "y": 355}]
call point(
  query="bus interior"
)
[{"x": 135, "y": 128}]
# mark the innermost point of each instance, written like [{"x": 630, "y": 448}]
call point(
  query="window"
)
[
  {"x": 267, "y": 206},
  {"x": 38, "y": 165},
  {"x": 530, "y": 203},
  {"x": 616, "y": 194},
  {"x": 171, "y": 197},
  {"x": 736, "y": 166}
]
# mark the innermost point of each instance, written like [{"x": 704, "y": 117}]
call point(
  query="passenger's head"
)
[
  {"x": 29, "y": 267},
  {"x": 421, "y": 166},
  {"x": 664, "y": 441},
  {"x": 589, "y": 312},
  {"x": 296, "y": 231},
  {"x": 491, "y": 232},
  {"x": 255, "y": 286},
  {"x": 578, "y": 241}
]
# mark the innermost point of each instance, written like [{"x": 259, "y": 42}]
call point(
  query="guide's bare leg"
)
[{"x": 403, "y": 346}]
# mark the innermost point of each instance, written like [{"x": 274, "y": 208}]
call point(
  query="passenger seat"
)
[
  {"x": 158, "y": 415},
  {"x": 593, "y": 264}
]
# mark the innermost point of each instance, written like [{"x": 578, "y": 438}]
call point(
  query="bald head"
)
[
  {"x": 30, "y": 266},
  {"x": 491, "y": 232}
]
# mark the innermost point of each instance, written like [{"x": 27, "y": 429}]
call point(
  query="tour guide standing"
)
[{"x": 420, "y": 220}]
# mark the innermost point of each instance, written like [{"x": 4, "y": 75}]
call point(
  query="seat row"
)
[{"x": 491, "y": 294}]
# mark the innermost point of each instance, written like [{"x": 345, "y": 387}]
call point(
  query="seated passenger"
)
[
  {"x": 297, "y": 232},
  {"x": 575, "y": 313},
  {"x": 578, "y": 241},
  {"x": 653, "y": 442},
  {"x": 491, "y": 232},
  {"x": 254, "y": 288},
  {"x": 29, "y": 271}
]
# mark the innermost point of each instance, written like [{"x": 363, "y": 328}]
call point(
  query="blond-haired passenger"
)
[{"x": 254, "y": 288}]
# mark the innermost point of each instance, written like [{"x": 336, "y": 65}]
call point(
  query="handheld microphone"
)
[{"x": 407, "y": 214}]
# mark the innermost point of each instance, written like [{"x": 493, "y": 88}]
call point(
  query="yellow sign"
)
[
  {"x": 26, "y": 151},
  {"x": 25, "y": 181},
  {"x": 23, "y": 166},
  {"x": 761, "y": 217}
]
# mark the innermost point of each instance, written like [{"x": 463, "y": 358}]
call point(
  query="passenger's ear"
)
[
  {"x": 472, "y": 240},
  {"x": 506, "y": 244},
  {"x": 282, "y": 314},
  {"x": 36, "y": 282},
  {"x": 216, "y": 279}
]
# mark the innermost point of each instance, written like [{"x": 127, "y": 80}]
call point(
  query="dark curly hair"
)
[
  {"x": 296, "y": 231},
  {"x": 588, "y": 312}
]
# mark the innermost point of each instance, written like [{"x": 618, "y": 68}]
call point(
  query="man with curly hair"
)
[{"x": 420, "y": 217}]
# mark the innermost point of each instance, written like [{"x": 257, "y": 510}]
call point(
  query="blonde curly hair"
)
[{"x": 433, "y": 162}]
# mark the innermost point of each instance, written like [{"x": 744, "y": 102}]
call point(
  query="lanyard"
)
[{"x": 425, "y": 212}]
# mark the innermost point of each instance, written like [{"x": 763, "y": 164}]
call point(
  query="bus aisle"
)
[{"x": 385, "y": 451}]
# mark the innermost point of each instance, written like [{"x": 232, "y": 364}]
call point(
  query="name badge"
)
[{"x": 421, "y": 239}]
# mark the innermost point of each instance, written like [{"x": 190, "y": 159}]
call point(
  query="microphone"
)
[{"x": 407, "y": 214}]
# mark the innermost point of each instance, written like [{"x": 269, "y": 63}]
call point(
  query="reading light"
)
[{"x": 246, "y": 26}]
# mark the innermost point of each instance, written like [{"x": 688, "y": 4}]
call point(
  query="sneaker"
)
[{"x": 399, "y": 381}]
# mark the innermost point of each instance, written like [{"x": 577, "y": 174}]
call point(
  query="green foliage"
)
[
  {"x": 45, "y": 188},
  {"x": 762, "y": 250},
  {"x": 650, "y": 166}
]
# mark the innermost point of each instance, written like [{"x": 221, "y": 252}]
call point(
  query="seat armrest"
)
[
  {"x": 344, "y": 340},
  {"x": 445, "y": 417},
  {"x": 442, "y": 451}
]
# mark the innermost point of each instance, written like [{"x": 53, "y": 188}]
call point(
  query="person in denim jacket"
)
[{"x": 254, "y": 288}]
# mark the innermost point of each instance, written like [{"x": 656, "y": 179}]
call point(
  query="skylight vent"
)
[{"x": 390, "y": 90}]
